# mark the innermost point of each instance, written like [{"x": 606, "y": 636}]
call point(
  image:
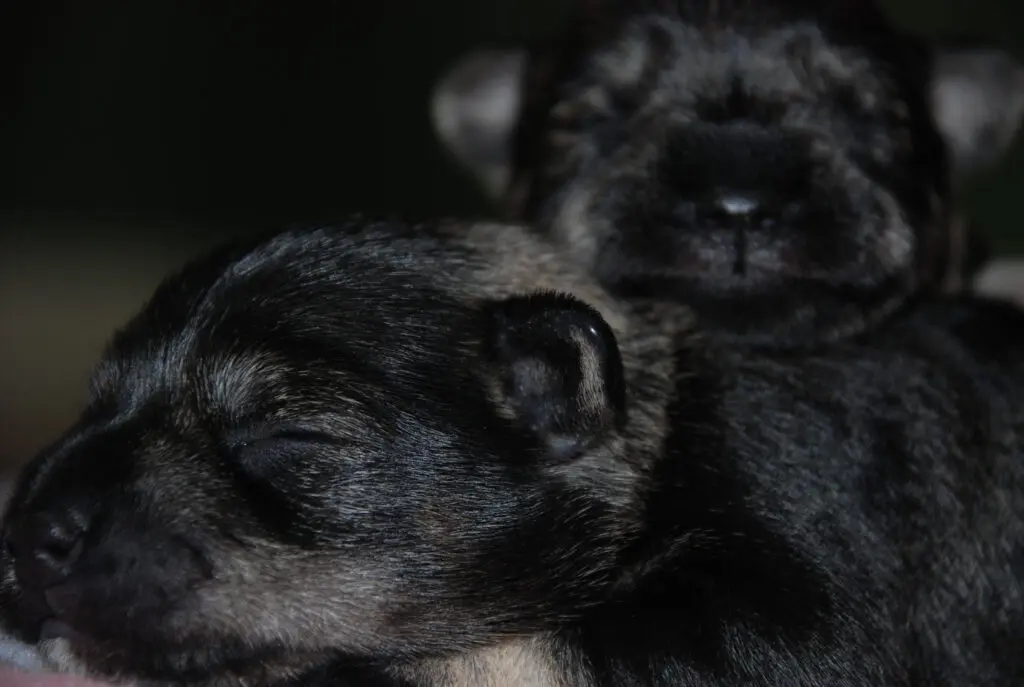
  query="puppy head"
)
[
  {"x": 331, "y": 443},
  {"x": 766, "y": 159}
]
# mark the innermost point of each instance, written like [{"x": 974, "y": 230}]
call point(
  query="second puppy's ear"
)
[
  {"x": 557, "y": 368},
  {"x": 977, "y": 99},
  {"x": 474, "y": 108}
]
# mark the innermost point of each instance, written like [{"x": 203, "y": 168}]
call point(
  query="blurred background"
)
[{"x": 134, "y": 135}]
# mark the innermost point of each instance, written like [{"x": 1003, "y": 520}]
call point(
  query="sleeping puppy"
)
[
  {"x": 786, "y": 167},
  {"x": 441, "y": 455}
]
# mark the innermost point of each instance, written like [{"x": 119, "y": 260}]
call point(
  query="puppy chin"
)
[
  {"x": 49, "y": 663},
  {"x": 62, "y": 656},
  {"x": 25, "y": 657},
  {"x": 59, "y": 656}
]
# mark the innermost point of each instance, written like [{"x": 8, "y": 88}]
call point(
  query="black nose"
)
[{"x": 44, "y": 546}]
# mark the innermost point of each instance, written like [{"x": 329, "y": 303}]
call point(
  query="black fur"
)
[
  {"x": 366, "y": 456},
  {"x": 786, "y": 167}
]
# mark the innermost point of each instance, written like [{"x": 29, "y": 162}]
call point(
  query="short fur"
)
[
  {"x": 786, "y": 167},
  {"x": 441, "y": 455}
]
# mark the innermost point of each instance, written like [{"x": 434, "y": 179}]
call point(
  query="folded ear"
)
[
  {"x": 474, "y": 108},
  {"x": 557, "y": 370},
  {"x": 977, "y": 99}
]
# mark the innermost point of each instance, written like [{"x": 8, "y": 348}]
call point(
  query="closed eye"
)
[
  {"x": 262, "y": 455},
  {"x": 290, "y": 434}
]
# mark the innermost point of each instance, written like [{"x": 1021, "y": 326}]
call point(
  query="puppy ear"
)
[
  {"x": 475, "y": 107},
  {"x": 977, "y": 99},
  {"x": 556, "y": 370}
]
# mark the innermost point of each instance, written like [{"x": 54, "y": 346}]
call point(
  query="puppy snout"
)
[
  {"x": 738, "y": 174},
  {"x": 73, "y": 572},
  {"x": 45, "y": 546}
]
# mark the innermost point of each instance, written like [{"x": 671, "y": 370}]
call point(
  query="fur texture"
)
[
  {"x": 441, "y": 455},
  {"x": 785, "y": 167}
]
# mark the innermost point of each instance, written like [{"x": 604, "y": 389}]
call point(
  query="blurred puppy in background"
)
[{"x": 787, "y": 167}]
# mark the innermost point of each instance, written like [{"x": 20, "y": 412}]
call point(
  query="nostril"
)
[{"x": 42, "y": 543}]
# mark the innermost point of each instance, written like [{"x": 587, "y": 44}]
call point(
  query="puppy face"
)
[
  {"x": 780, "y": 157},
  {"x": 327, "y": 443}
]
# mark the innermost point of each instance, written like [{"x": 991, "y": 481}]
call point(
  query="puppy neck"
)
[{"x": 525, "y": 662}]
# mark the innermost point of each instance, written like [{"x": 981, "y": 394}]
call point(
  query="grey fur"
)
[
  {"x": 853, "y": 136},
  {"x": 374, "y": 455}
]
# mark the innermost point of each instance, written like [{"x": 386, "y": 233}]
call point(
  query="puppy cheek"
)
[
  {"x": 318, "y": 605},
  {"x": 896, "y": 243},
  {"x": 876, "y": 240}
]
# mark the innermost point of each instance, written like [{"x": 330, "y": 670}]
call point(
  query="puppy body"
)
[
  {"x": 377, "y": 455},
  {"x": 785, "y": 167}
]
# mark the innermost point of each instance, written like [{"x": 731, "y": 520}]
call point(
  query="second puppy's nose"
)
[{"x": 44, "y": 546}]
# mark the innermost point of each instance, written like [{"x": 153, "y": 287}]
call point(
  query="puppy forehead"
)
[
  {"x": 214, "y": 384},
  {"x": 669, "y": 60},
  {"x": 232, "y": 384}
]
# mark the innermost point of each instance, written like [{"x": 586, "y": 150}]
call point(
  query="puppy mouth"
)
[
  {"x": 48, "y": 617},
  {"x": 34, "y": 616},
  {"x": 54, "y": 628},
  {"x": 68, "y": 643},
  {"x": 729, "y": 259},
  {"x": 740, "y": 255}
]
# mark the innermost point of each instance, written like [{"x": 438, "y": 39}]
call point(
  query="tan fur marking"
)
[{"x": 517, "y": 663}]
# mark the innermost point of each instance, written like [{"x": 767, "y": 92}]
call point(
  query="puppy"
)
[
  {"x": 787, "y": 167},
  {"x": 382, "y": 454}
]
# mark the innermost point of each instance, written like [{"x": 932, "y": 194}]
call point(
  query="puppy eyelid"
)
[{"x": 291, "y": 434}]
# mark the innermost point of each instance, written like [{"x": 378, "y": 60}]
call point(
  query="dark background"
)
[{"x": 134, "y": 134}]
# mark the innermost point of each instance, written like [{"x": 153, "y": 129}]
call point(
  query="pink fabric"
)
[{"x": 15, "y": 678}]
